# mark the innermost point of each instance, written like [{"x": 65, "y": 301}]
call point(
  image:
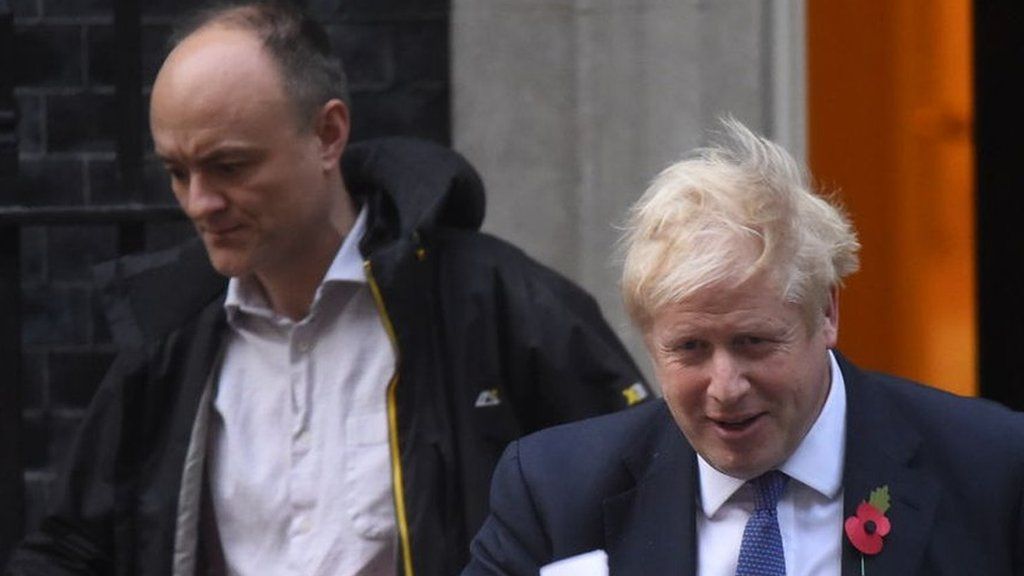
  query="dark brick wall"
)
[{"x": 65, "y": 72}]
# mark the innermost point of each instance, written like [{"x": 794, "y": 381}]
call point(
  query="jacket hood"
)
[{"x": 409, "y": 186}]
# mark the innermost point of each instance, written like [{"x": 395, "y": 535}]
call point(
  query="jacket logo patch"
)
[
  {"x": 635, "y": 393},
  {"x": 488, "y": 398}
]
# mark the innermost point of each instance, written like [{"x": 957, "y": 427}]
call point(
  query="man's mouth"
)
[
  {"x": 737, "y": 423},
  {"x": 220, "y": 231}
]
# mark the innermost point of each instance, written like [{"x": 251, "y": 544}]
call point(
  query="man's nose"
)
[
  {"x": 202, "y": 199},
  {"x": 728, "y": 382}
]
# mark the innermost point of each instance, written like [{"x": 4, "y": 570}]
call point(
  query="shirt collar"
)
[
  {"x": 348, "y": 264},
  {"x": 246, "y": 296},
  {"x": 816, "y": 462}
]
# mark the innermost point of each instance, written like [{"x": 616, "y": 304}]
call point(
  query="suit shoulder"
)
[
  {"x": 930, "y": 402},
  {"x": 963, "y": 428}
]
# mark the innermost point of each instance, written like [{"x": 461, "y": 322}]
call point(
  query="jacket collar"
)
[
  {"x": 411, "y": 186},
  {"x": 880, "y": 447},
  {"x": 651, "y": 527}
]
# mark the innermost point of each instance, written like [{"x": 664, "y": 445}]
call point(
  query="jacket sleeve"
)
[
  {"x": 76, "y": 537},
  {"x": 511, "y": 541},
  {"x": 570, "y": 363}
]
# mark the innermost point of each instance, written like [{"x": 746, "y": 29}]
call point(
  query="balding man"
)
[{"x": 337, "y": 405}]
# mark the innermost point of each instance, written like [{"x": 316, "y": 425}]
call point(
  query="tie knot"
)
[{"x": 769, "y": 489}]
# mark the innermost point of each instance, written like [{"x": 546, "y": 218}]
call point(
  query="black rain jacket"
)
[{"x": 490, "y": 345}]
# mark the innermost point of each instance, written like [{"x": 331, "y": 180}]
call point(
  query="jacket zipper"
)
[{"x": 396, "y": 460}]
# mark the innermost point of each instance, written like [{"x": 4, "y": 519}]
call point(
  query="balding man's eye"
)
[
  {"x": 177, "y": 174},
  {"x": 230, "y": 169}
]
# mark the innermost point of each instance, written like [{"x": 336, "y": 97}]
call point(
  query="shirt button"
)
[{"x": 302, "y": 524}]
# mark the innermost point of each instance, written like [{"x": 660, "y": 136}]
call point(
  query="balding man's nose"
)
[{"x": 201, "y": 198}]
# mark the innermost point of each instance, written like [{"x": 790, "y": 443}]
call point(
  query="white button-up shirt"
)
[
  {"x": 300, "y": 471},
  {"x": 810, "y": 511}
]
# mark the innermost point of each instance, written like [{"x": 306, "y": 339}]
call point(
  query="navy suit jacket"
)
[{"x": 627, "y": 483}]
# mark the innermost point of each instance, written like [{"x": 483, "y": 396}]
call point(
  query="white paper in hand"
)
[{"x": 593, "y": 563}]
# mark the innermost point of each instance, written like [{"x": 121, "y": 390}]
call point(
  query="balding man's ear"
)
[{"x": 332, "y": 129}]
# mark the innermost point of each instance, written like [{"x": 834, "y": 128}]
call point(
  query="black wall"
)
[
  {"x": 999, "y": 130},
  {"x": 87, "y": 188},
  {"x": 11, "y": 501}
]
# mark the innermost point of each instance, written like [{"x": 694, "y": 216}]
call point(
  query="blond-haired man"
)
[{"x": 771, "y": 453}]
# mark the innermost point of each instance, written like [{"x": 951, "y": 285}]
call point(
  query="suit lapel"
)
[
  {"x": 650, "y": 529},
  {"x": 880, "y": 446}
]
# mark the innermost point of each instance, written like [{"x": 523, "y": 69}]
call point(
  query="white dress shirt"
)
[
  {"x": 810, "y": 511},
  {"x": 300, "y": 474}
]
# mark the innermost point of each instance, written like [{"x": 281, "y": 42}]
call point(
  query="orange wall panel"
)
[{"x": 889, "y": 107}]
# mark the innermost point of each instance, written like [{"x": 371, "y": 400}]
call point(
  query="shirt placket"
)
[{"x": 302, "y": 495}]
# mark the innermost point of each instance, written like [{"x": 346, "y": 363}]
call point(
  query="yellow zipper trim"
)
[{"x": 396, "y": 460}]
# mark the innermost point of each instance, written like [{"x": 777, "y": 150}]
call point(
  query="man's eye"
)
[
  {"x": 751, "y": 342},
  {"x": 177, "y": 174},
  {"x": 229, "y": 168},
  {"x": 690, "y": 346}
]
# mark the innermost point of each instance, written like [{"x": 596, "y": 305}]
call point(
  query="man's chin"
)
[
  {"x": 741, "y": 465},
  {"x": 228, "y": 262}
]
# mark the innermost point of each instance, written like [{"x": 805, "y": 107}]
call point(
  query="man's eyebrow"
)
[
  {"x": 166, "y": 158},
  {"x": 230, "y": 151},
  {"x": 762, "y": 326},
  {"x": 216, "y": 154}
]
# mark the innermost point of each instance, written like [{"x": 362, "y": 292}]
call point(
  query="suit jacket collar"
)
[
  {"x": 651, "y": 527},
  {"x": 880, "y": 450}
]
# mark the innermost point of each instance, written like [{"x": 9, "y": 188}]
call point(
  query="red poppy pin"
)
[{"x": 869, "y": 525}]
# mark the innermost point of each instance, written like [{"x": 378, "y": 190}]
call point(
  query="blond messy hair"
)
[{"x": 738, "y": 209}]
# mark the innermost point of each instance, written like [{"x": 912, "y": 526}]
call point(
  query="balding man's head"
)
[
  {"x": 297, "y": 45},
  {"x": 214, "y": 75},
  {"x": 262, "y": 185}
]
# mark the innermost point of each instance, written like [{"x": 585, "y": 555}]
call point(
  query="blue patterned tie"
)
[{"x": 761, "y": 550}]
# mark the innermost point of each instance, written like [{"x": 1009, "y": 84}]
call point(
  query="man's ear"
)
[
  {"x": 830, "y": 318},
  {"x": 332, "y": 129}
]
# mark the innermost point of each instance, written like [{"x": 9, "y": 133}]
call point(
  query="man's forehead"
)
[
  {"x": 751, "y": 307},
  {"x": 216, "y": 75},
  {"x": 686, "y": 321},
  {"x": 216, "y": 58}
]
